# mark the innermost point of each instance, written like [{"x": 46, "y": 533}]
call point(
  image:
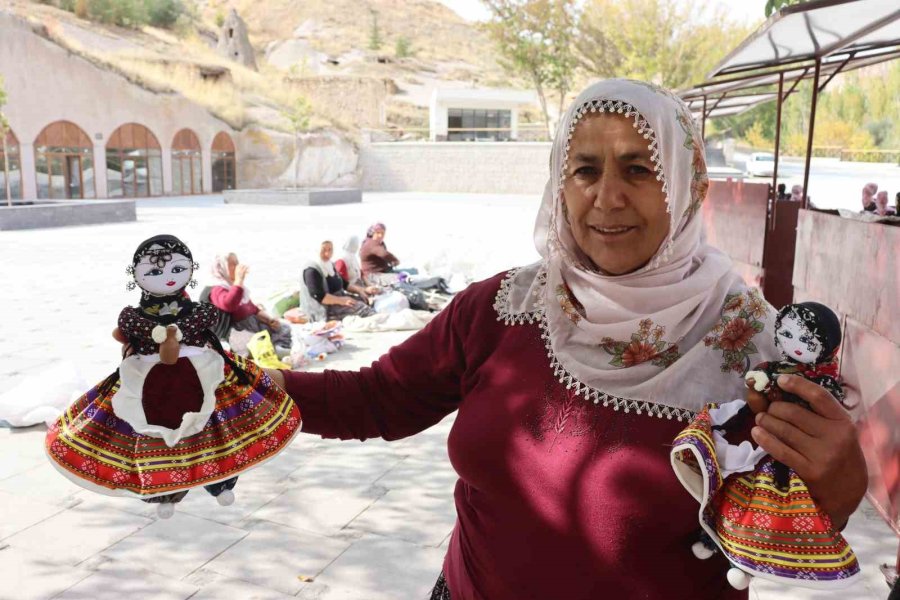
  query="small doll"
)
[
  {"x": 754, "y": 509},
  {"x": 179, "y": 412}
]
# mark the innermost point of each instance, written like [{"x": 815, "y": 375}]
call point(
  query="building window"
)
[
  {"x": 187, "y": 169},
  {"x": 471, "y": 124},
  {"x": 223, "y": 163},
  {"x": 133, "y": 163},
  {"x": 64, "y": 162},
  {"x": 11, "y": 168}
]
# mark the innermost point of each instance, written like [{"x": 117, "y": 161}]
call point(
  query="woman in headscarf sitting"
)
[
  {"x": 568, "y": 377},
  {"x": 323, "y": 296},
  {"x": 350, "y": 270},
  {"x": 374, "y": 256},
  {"x": 383, "y": 268},
  {"x": 230, "y": 296}
]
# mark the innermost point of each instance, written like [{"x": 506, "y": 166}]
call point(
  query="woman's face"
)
[
  {"x": 232, "y": 265},
  {"x": 173, "y": 276},
  {"x": 326, "y": 252},
  {"x": 616, "y": 207},
  {"x": 798, "y": 342},
  {"x": 378, "y": 235}
]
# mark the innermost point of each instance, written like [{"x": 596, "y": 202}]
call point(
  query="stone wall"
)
[
  {"x": 359, "y": 100},
  {"x": 486, "y": 167}
]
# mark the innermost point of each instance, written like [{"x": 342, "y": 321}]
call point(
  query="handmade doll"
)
[
  {"x": 754, "y": 509},
  {"x": 179, "y": 412}
]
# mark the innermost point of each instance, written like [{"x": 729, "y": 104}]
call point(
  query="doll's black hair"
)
[
  {"x": 168, "y": 244},
  {"x": 819, "y": 320}
]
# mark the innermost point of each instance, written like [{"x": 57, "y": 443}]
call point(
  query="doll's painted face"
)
[
  {"x": 163, "y": 277},
  {"x": 797, "y": 341}
]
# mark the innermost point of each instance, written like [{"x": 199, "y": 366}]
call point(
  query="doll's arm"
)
[
  {"x": 832, "y": 385},
  {"x": 133, "y": 326},
  {"x": 758, "y": 379}
]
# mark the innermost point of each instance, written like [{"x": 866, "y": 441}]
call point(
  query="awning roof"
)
[
  {"x": 843, "y": 34},
  {"x": 820, "y": 29}
]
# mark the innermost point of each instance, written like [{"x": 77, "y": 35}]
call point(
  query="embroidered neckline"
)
[{"x": 539, "y": 316}]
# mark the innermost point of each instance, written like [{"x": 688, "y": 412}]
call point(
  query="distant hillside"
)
[{"x": 294, "y": 40}]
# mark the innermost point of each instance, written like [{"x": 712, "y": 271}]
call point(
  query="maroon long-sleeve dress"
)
[{"x": 557, "y": 498}]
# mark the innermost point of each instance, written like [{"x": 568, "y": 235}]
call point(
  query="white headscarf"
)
[
  {"x": 642, "y": 340},
  {"x": 351, "y": 259},
  {"x": 309, "y": 305},
  {"x": 220, "y": 273}
]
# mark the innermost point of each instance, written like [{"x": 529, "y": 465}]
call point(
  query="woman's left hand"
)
[{"x": 821, "y": 445}]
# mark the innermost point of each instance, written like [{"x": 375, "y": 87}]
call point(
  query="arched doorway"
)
[
  {"x": 11, "y": 168},
  {"x": 223, "y": 163},
  {"x": 187, "y": 169},
  {"x": 133, "y": 163},
  {"x": 64, "y": 162}
]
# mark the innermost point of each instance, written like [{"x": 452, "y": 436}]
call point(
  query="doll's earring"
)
[
  {"x": 193, "y": 283},
  {"x": 130, "y": 285}
]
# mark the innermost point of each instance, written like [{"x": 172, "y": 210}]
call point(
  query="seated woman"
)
[
  {"x": 232, "y": 297},
  {"x": 350, "y": 270},
  {"x": 381, "y": 267},
  {"x": 322, "y": 295},
  {"x": 375, "y": 258}
]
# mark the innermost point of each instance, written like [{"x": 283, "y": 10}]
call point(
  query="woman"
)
[
  {"x": 570, "y": 376},
  {"x": 882, "y": 208},
  {"x": 322, "y": 293},
  {"x": 868, "y": 197},
  {"x": 375, "y": 258},
  {"x": 232, "y": 297},
  {"x": 350, "y": 270}
]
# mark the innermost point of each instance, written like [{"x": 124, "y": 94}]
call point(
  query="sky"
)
[{"x": 750, "y": 11}]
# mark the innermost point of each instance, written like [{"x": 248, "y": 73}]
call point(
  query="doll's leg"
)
[
  {"x": 165, "y": 505},
  {"x": 222, "y": 491}
]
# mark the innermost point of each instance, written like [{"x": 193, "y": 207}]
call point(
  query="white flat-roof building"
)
[{"x": 474, "y": 114}]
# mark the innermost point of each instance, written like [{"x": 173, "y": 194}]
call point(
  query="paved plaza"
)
[{"x": 324, "y": 520}]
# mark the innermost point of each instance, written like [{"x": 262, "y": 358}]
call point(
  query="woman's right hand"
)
[
  {"x": 240, "y": 273},
  {"x": 347, "y": 301}
]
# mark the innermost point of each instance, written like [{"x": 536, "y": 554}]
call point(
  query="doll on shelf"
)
[
  {"x": 179, "y": 412},
  {"x": 755, "y": 510}
]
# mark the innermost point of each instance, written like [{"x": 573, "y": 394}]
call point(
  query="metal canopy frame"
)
[{"x": 771, "y": 63}]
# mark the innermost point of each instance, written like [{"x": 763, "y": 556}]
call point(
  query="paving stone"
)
[
  {"x": 234, "y": 588},
  {"x": 21, "y": 513},
  {"x": 409, "y": 516},
  {"x": 41, "y": 482},
  {"x": 114, "y": 582},
  {"x": 321, "y": 509},
  {"x": 175, "y": 547},
  {"x": 376, "y": 568},
  {"x": 347, "y": 464},
  {"x": 275, "y": 557},
  {"x": 76, "y": 534},
  {"x": 25, "y": 575},
  {"x": 434, "y": 477},
  {"x": 254, "y": 489}
]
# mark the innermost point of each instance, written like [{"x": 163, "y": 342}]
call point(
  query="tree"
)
[
  {"x": 375, "y": 34},
  {"x": 298, "y": 114},
  {"x": 775, "y": 5},
  {"x": 4, "y": 129},
  {"x": 402, "y": 49},
  {"x": 534, "y": 39},
  {"x": 672, "y": 44}
]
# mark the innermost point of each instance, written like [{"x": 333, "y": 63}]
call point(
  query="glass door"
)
[{"x": 73, "y": 177}]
